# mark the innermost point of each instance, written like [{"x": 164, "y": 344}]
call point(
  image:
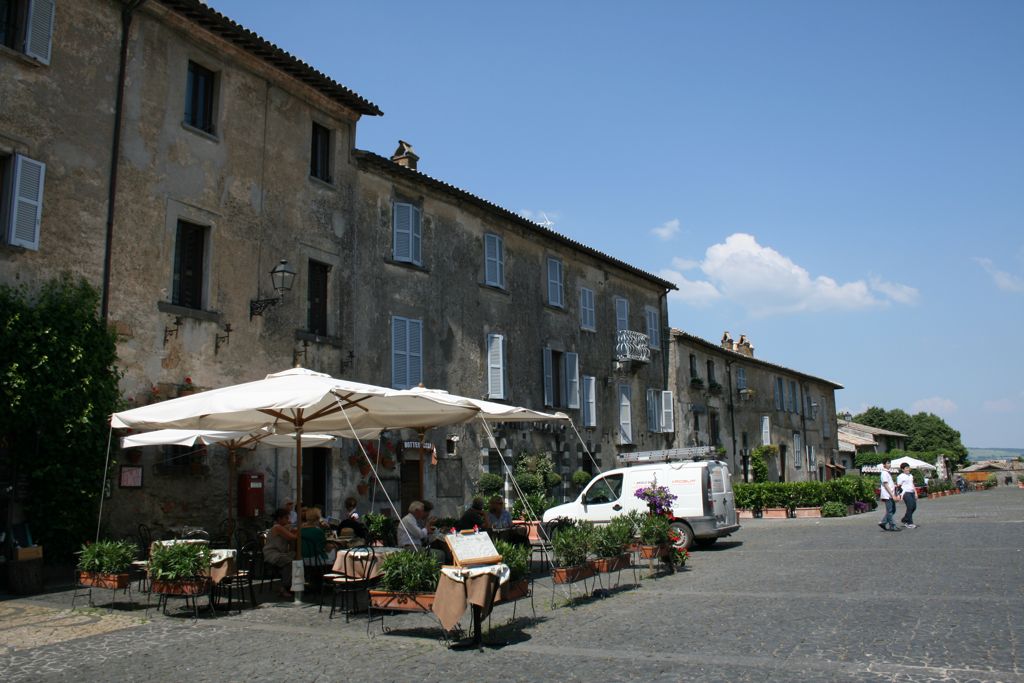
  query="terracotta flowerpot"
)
[
  {"x": 745, "y": 514},
  {"x": 807, "y": 512},
  {"x": 514, "y": 590},
  {"x": 607, "y": 565},
  {"x": 651, "y": 551},
  {"x": 532, "y": 528},
  {"x": 571, "y": 574},
  {"x": 194, "y": 586},
  {"x": 402, "y": 602},
  {"x": 99, "y": 580},
  {"x": 775, "y": 513}
]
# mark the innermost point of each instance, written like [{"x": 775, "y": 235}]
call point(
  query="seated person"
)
[
  {"x": 410, "y": 533},
  {"x": 314, "y": 540},
  {"x": 501, "y": 523},
  {"x": 473, "y": 517},
  {"x": 350, "y": 518},
  {"x": 279, "y": 551}
]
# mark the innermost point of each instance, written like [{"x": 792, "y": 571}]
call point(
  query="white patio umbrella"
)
[
  {"x": 896, "y": 464},
  {"x": 293, "y": 401}
]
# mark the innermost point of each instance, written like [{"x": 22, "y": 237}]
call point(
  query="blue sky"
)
[{"x": 841, "y": 181}]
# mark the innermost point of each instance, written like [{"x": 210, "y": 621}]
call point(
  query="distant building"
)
[
  {"x": 730, "y": 399},
  {"x": 871, "y": 439}
]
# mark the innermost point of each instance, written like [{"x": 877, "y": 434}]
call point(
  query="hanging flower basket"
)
[
  {"x": 387, "y": 463},
  {"x": 364, "y": 469},
  {"x": 362, "y": 489},
  {"x": 353, "y": 460}
]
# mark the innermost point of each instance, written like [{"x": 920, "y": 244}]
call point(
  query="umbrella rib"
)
[
  {"x": 352, "y": 404},
  {"x": 278, "y": 414}
]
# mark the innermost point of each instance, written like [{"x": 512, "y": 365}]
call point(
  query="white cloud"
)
[
  {"x": 684, "y": 264},
  {"x": 1008, "y": 282},
  {"x": 1000, "y": 405},
  {"x": 666, "y": 230},
  {"x": 901, "y": 294},
  {"x": 696, "y": 293},
  {"x": 769, "y": 283},
  {"x": 942, "y": 407}
]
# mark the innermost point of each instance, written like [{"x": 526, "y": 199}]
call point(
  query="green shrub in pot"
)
[
  {"x": 409, "y": 571},
  {"x": 517, "y": 557},
  {"x": 572, "y": 544},
  {"x": 107, "y": 557},
  {"x": 654, "y": 530},
  {"x": 612, "y": 538},
  {"x": 179, "y": 561}
]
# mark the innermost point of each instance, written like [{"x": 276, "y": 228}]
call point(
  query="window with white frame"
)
[
  {"x": 741, "y": 378},
  {"x": 407, "y": 233},
  {"x": 556, "y": 288},
  {"x": 625, "y": 414},
  {"x": 621, "y": 314},
  {"x": 588, "y": 315},
  {"x": 589, "y": 386},
  {"x": 406, "y": 352},
  {"x": 21, "y": 200},
  {"x": 561, "y": 379},
  {"x": 27, "y": 26},
  {"x": 495, "y": 366},
  {"x": 660, "y": 414},
  {"x": 766, "y": 431},
  {"x": 494, "y": 260},
  {"x": 653, "y": 320}
]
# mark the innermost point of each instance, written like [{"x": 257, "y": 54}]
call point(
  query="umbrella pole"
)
[
  {"x": 298, "y": 570},
  {"x": 423, "y": 435}
]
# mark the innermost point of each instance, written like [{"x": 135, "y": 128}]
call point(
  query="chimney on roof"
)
[
  {"x": 405, "y": 156},
  {"x": 727, "y": 341},
  {"x": 744, "y": 346}
]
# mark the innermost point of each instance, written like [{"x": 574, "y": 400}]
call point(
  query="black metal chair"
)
[
  {"x": 245, "y": 564},
  {"x": 348, "y": 582},
  {"x": 197, "y": 535}
]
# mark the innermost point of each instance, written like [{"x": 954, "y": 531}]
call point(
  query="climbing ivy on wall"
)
[{"x": 58, "y": 385}]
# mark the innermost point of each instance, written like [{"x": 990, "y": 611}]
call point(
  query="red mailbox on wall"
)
[{"x": 250, "y": 494}]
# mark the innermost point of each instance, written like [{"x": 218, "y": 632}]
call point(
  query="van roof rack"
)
[{"x": 691, "y": 453}]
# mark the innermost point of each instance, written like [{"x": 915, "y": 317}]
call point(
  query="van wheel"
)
[
  {"x": 685, "y": 534},
  {"x": 706, "y": 542}
]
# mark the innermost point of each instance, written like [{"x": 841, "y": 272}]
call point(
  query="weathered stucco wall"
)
[{"x": 740, "y": 413}]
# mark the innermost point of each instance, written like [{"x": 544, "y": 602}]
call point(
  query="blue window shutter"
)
[
  {"x": 572, "y": 380},
  {"x": 26, "y": 203},
  {"x": 39, "y": 30},
  {"x": 402, "y": 232},
  {"x": 625, "y": 414},
  {"x": 399, "y": 353},
  {"x": 668, "y": 415},
  {"x": 495, "y": 366},
  {"x": 416, "y": 242},
  {"x": 415, "y": 353},
  {"x": 621, "y": 313},
  {"x": 549, "y": 379},
  {"x": 555, "y": 282},
  {"x": 494, "y": 267}
]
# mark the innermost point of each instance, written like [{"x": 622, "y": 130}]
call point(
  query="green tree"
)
[
  {"x": 759, "y": 462},
  {"x": 58, "y": 384},
  {"x": 926, "y": 432}
]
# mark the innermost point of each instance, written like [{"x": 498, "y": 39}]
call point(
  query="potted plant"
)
[
  {"x": 833, "y": 508},
  {"x": 696, "y": 383},
  {"x": 610, "y": 542},
  {"x": 654, "y": 536},
  {"x": 808, "y": 497},
  {"x": 580, "y": 479},
  {"x": 776, "y": 505},
  {"x": 105, "y": 564},
  {"x": 517, "y": 557},
  {"x": 571, "y": 547},
  {"x": 382, "y": 530},
  {"x": 408, "y": 580},
  {"x": 535, "y": 475},
  {"x": 490, "y": 484},
  {"x": 180, "y": 568},
  {"x": 714, "y": 388}
]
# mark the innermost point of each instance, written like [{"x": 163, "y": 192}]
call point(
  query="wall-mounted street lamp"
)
[{"x": 282, "y": 277}]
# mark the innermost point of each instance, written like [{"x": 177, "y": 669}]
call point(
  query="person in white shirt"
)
[
  {"x": 888, "y": 494},
  {"x": 905, "y": 484},
  {"x": 410, "y": 533}
]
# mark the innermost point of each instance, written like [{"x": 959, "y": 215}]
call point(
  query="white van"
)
[{"x": 703, "y": 512}]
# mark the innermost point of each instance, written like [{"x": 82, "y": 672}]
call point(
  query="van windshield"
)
[{"x": 604, "y": 490}]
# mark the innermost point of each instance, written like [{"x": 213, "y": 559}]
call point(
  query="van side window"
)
[{"x": 604, "y": 490}]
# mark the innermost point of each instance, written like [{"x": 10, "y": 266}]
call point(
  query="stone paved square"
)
[{"x": 784, "y": 600}]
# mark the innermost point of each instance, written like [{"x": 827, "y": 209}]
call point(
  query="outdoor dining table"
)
[
  {"x": 461, "y": 587},
  {"x": 353, "y": 563}
]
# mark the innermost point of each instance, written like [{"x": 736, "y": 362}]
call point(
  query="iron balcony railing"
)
[{"x": 632, "y": 346}]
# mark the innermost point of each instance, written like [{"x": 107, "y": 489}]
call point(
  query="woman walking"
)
[{"x": 905, "y": 485}]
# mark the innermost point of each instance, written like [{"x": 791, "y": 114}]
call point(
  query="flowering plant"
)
[
  {"x": 658, "y": 498},
  {"x": 681, "y": 555}
]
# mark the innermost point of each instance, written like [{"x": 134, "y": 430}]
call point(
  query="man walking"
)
[
  {"x": 905, "y": 484},
  {"x": 888, "y": 495}
]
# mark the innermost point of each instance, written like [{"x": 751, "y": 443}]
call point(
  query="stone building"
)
[
  {"x": 729, "y": 399},
  {"x": 231, "y": 156}
]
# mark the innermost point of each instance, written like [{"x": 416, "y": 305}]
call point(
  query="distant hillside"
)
[{"x": 975, "y": 454}]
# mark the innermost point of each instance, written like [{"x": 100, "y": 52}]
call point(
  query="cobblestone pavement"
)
[{"x": 785, "y": 600}]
